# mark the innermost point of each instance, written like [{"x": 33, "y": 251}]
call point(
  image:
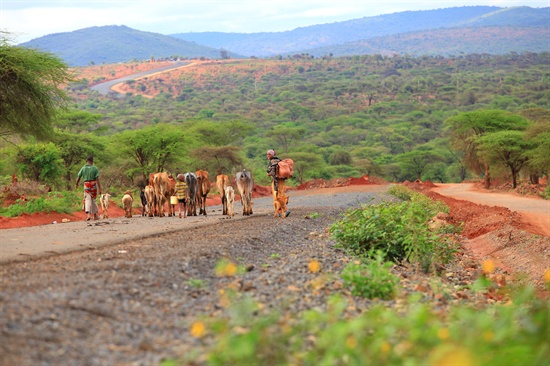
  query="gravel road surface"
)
[{"x": 29, "y": 243}]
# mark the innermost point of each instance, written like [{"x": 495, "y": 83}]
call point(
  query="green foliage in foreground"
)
[
  {"x": 61, "y": 202},
  {"x": 400, "y": 230},
  {"x": 371, "y": 279},
  {"x": 413, "y": 333},
  {"x": 503, "y": 334}
]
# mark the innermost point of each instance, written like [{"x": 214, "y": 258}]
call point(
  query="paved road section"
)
[
  {"x": 39, "y": 241},
  {"x": 105, "y": 88}
]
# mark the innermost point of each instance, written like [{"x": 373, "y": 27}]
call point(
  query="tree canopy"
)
[{"x": 31, "y": 90}]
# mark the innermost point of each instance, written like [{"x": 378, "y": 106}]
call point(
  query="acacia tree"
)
[
  {"x": 466, "y": 128},
  {"x": 414, "y": 163},
  {"x": 285, "y": 136},
  {"x": 153, "y": 148},
  {"x": 31, "y": 91},
  {"x": 222, "y": 160},
  {"x": 508, "y": 148}
]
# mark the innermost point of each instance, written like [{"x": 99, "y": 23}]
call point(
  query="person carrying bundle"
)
[{"x": 279, "y": 171}]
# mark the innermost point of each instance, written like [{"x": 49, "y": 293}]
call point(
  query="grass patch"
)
[{"x": 61, "y": 202}]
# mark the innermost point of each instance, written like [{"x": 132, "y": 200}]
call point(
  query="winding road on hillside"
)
[{"x": 105, "y": 88}]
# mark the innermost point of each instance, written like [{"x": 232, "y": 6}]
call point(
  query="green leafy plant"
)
[
  {"x": 197, "y": 283},
  {"x": 371, "y": 279},
  {"x": 61, "y": 202},
  {"x": 546, "y": 193},
  {"x": 417, "y": 333},
  {"x": 400, "y": 230}
]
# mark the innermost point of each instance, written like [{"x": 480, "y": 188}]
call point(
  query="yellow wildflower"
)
[
  {"x": 385, "y": 347},
  {"x": 450, "y": 355},
  {"x": 231, "y": 269},
  {"x": 198, "y": 329},
  {"x": 314, "y": 266},
  {"x": 488, "y": 266},
  {"x": 443, "y": 334}
]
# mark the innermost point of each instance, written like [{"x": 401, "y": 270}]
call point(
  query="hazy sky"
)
[{"x": 26, "y": 20}]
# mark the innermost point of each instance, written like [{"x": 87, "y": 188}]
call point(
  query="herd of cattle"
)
[{"x": 157, "y": 194}]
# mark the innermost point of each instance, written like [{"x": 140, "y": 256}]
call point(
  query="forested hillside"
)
[{"x": 336, "y": 117}]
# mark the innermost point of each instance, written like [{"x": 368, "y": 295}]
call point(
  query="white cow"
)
[
  {"x": 104, "y": 200},
  {"x": 245, "y": 185}
]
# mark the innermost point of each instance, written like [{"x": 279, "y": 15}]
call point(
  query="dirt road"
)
[
  {"x": 127, "y": 290},
  {"x": 46, "y": 240},
  {"x": 536, "y": 211}
]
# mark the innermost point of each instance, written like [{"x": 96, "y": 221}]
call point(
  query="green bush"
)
[
  {"x": 371, "y": 279},
  {"x": 400, "y": 230},
  {"x": 546, "y": 193},
  {"x": 62, "y": 202}
]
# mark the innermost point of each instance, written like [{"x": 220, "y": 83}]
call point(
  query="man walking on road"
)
[{"x": 92, "y": 187}]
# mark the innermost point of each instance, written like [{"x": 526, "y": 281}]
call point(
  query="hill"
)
[
  {"x": 446, "y": 42},
  {"x": 449, "y": 31},
  {"x": 113, "y": 44},
  {"x": 450, "y": 21}
]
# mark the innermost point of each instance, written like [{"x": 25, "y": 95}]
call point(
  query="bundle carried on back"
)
[{"x": 285, "y": 169}]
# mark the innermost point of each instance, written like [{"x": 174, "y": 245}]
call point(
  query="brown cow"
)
[
  {"x": 127, "y": 202},
  {"x": 230, "y": 199},
  {"x": 149, "y": 192},
  {"x": 163, "y": 190},
  {"x": 203, "y": 189},
  {"x": 222, "y": 182},
  {"x": 245, "y": 185},
  {"x": 192, "y": 187}
]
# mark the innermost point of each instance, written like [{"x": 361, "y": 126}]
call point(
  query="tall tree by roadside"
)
[
  {"x": 31, "y": 91},
  {"x": 508, "y": 148},
  {"x": 466, "y": 128}
]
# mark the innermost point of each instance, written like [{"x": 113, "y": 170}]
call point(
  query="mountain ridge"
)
[{"x": 466, "y": 28}]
